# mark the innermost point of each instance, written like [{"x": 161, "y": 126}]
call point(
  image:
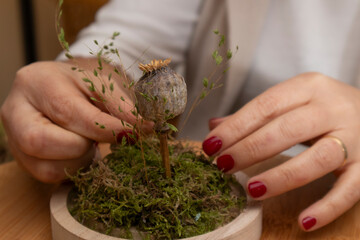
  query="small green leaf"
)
[
  {"x": 102, "y": 99},
  {"x": 131, "y": 84},
  {"x": 103, "y": 88},
  {"x": 96, "y": 42},
  {"x": 218, "y": 59},
  {"x": 73, "y": 68},
  {"x": 222, "y": 40},
  {"x": 228, "y": 54},
  {"x": 109, "y": 77},
  {"x": 212, "y": 85},
  {"x": 122, "y": 98},
  {"x": 86, "y": 80},
  {"x": 172, "y": 127},
  {"x": 120, "y": 109},
  {"x": 113, "y": 132},
  {"x": 216, "y": 31},
  {"x": 102, "y": 126},
  {"x": 100, "y": 63},
  {"x": 115, "y": 34},
  {"x": 68, "y": 55},
  {"x": 94, "y": 99},
  {"x": 226, "y": 69},
  {"x": 96, "y": 123},
  {"x": 147, "y": 98},
  {"x": 133, "y": 112},
  {"x": 95, "y": 73},
  {"x": 92, "y": 87},
  {"x": 111, "y": 87},
  {"x": 203, "y": 95},
  {"x": 61, "y": 2},
  {"x": 205, "y": 82}
]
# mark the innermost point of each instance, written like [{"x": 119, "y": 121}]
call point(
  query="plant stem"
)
[{"x": 165, "y": 153}]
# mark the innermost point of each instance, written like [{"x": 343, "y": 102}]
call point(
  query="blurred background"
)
[{"x": 28, "y": 34}]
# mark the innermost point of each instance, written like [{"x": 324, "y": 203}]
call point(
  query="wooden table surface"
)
[{"x": 24, "y": 208}]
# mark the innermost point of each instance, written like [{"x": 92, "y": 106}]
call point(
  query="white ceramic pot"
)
[{"x": 247, "y": 225}]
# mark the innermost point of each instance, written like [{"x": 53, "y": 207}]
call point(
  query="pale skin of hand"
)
[
  {"x": 50, "y": 120},
  {"x": 306, "y": 107}
]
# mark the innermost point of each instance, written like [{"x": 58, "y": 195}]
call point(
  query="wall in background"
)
[
  {"x": 11, "y": 45},
  {"x": 77, "y": 14},
  {"x": 12, "y": 55},
  {"x": 47, "y": 45}
]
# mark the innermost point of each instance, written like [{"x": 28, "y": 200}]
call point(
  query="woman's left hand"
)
[{"x": 307, "y": 107}]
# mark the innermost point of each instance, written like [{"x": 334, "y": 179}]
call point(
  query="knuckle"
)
[
  {"x": 315, "y": 79},
  {"x": 24, "y": 75},
  {"x": 351, "y": 195},
  {"x": 292, "y": 126},
  {"x": 312, "y": 77},
  {"x": 235, "y": 126},
  {"x": 31, "y": 141},
  {"x": 267, "y": 106},
  {"x": 332, "y": 208},
  {"x": 252, "y": 147},
  {"x": 289, "y": 176},
  {"x": 61, "y": 110},
  {"x": 323, "y": 156},
  {"x": 48, "y": 172},
  {"x": 287, "y": 129}
]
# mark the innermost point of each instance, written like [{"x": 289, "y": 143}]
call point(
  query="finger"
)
[
  {"x": 80, "y": 116},
  {"x": 323, "y": 157},
  {"x": 51, "y": 171},
  {"x": 340, "y": 198},
  {"x": 214, "y": 122},
  {"x": 35, "y": 135},
  {"x": 261, "y": 110},
  {"x": 278, "y": 135}
]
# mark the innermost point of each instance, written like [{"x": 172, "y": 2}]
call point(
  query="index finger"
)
[{"x": 272, "y": 103}]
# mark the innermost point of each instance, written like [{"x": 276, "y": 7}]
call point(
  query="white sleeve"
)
[{"x": 149, "y": 29}]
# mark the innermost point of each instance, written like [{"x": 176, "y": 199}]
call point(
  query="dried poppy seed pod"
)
[{"x": 161, "y": 93}]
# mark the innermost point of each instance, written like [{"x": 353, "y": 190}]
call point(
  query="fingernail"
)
[
  {"x": 256, "y": 189},
  {"x": 308, "y": 222},
  {"x": 130, "y": 137},
  {"x": 212, "y": 145},
  {"x": 213, "y": 122},
  {"x": 225, "y": 163}
]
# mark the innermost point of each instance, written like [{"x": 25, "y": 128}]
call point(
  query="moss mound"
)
[{"x": 119, "y": 194}]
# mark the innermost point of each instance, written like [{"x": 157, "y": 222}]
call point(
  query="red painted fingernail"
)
[
  {"x": 256, "y": 189},
  {"x": 225, "y": 163},
  {"x": 212, "y": 145},
  {"x": 308, "y": 222},
  {"x": 130, "y": 137}
]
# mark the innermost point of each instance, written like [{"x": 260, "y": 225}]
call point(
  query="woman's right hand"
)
[{"x": 50, "y": 120}]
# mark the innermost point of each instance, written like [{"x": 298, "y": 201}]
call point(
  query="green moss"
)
[{"x": 114, "y": 195}]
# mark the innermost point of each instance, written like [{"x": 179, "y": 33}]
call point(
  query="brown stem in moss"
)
[{"x": 164, "y": 150}]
